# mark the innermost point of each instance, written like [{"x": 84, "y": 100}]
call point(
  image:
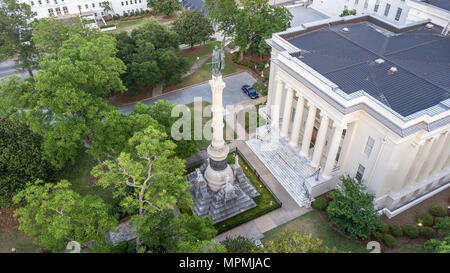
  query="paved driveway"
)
[{"x": 232, "y": 93}]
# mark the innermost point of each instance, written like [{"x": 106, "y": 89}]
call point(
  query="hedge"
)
[
  {"x": 438, "y": 211},
  {"x": 378, "y": 236},
  {"x": 396, "y": 231},
  {"x": 389, "y": 240},
  {"x": 427, "y": 232},
  {"x": 382, "y": 226},
  {"x": 425, "y": 219},
  {"x": 320, "y": 203},
  {"x": 411, "y": 231}
]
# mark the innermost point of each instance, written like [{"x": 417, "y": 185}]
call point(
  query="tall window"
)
[
  {"x": 386, "y": 10},
  {"x": 122, "y": 3},
  {"x": 398, "y": 14},
  {"x": 32, "y": 3},
  {"x": 369, "y": 146},
  {"x": 65, "y": 10},
  {"x": 40, "y": 2},
  {"x": 50, "y": 12},
  {"x": 93, "y": 5},
  {"x": 58, "y": 11},
  {"x": 377, "y": 6},
  {"x": 360, "y": 173},
  {"x": 366, "y": 4}
]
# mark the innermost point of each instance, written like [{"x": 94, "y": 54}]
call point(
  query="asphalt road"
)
[
  {"x": 232, "y": 93},
  {"x": 304, "y": 15},
  {"x": 7, "y": 68}
]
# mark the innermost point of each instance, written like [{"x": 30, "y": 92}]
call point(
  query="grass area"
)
[
  {"x": 204, "y": 73},
  {"x": 18, "y": 240},
  {"x": 313, "y": 223},
  {"x": 265, "y": 202},
  {"x": 130, "y": 24},
  {"x": 203, "y": 143},
  {"x": 78, "y": 175},
  {"x": 255, "y": 116},
  {"x": 192, "y": 58},
  {"x": 409, "y": 248}
]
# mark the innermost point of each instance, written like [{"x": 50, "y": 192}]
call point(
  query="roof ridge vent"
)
[
  {"x": 393, "y": 70},
  {"x": 345, "y": 29},
  {"x": 429, "y": 25},
  {"x": 379, "y": 61}
]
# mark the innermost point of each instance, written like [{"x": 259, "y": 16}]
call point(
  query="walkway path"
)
[
  {"x": 288, "y": 211},
  {"x": 196, "y": 66}
]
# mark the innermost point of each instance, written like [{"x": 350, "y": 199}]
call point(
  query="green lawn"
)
[
  {"x": 313, "y": 223},
  {"x": 409, "y": 248},
  {"x": 265, "y": 202},
  {"x": 78, "y": 175},
  {"x": 192, "y": 58},
  {"x": 255, "y": 115},
  {"x": 204, "y": 73},
  {"x": 130, "y": 24}
]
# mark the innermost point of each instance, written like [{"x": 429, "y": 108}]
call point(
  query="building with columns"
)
[{"x": 363, "y": 97}]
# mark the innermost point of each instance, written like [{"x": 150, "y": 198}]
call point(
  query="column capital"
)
[
  {"x": 340, "y": 125},
  {"x": 322, "y": 114},
  {"x": 310, "y": 104},
  {"x": 299, "y": 95}
]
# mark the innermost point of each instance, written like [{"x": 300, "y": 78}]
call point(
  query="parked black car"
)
[{"x": 250, "y": 91}]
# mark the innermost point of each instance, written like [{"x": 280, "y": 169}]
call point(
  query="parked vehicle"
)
[{"x": 250, "y": 91}]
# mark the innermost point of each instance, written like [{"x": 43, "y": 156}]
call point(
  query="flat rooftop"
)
[
  {"x": 443, "y": 4},
  {"x": 421, "y": 57}
]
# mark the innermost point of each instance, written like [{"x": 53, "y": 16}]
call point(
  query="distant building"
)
[
  {"x": 70, "y": 8},
  {"x": 361, "y": 96}
]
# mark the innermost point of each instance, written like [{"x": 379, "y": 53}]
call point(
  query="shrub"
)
[
  {"x": 443, "y": 226},
  {"x": 382, "y": 226},
  {"x": 261, "y": 88},
  {"x": 425, "y": 219},
  {"x": 427, "y": 232},
  {"x": 396, "y": 230},
  {"x": 320, "y": 203},
  {"x": 352, "y": 209},
  {"x": 438, "y": 220},
  {"x": 438, "y": 211},
  {"x": 411, "y": 231},
  {"x": 378, "y": 236},
  {"x": 238, "y": 244},
  {"x": 389, "y": 240}
]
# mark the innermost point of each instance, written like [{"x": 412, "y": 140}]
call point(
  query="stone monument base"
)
[{"x": 233, "y": 198}]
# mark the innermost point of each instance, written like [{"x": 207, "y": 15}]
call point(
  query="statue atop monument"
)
[{"x": 218, "y": 61}]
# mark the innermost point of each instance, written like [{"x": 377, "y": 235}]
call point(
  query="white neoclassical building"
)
[
  {"x": 69, "y": 8},
  {"x": 359, "y": 96}
]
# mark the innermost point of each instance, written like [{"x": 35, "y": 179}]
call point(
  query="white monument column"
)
[
  {"x": 276, "y": 107},
  {"x": 320, "y": 141},
  {"x": 308, "y": 130},
  {"x": 287, "y": 112},
  {"x": 297, "y": 121},
  {"x": 332, "y": 151},
  {"x": 406, "y": 167},
  {"x": 421, "y": 160}
]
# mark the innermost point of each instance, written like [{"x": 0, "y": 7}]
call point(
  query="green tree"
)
[
  {"x": 209, "y": 246},
  {"x": 151, "y": 55},
  {"x": 352, "y": 209},
  {"x": 167, "y": 7},
  {"x": 257, "y": 21},
  {"x": 438, "y": 246},
  {"x": 154, "y": 173},
  {"x": 347, "y": 12},
  {"x": 15, "y": 34},
  {"x": 192, "y": 27},
  {"x": 222, "y": 14},
  {"x": 293, "y": 242},
  {"x": 55, "y": 215},
  {"x": 65, "y": 102},
  {"x": 21, "y": 159}
]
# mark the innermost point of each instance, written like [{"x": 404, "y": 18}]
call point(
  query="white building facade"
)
[
  {"x": 403, "y": 159},
  {"x": 69, "y": 8}
]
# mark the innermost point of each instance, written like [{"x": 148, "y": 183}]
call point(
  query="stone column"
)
[
  {"x": 443, "y": 154},
  {"x": 287, "y": 112},
  {"x": 276, "y": 108},
  {"x": 423, "y": 155},
  {"x": 308, "y": 130},
  {"x": 320, "y": 141},
  {"x": 332, "y": 151},
  {"x": 297, "y": 121},
  {"x": 434, "y": 155},
  {"x": 406, "y": 167}
]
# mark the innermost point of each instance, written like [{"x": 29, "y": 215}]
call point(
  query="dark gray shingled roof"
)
[
  {"x": 443, "y": 4},
  {"x": 421, "y": 56}
]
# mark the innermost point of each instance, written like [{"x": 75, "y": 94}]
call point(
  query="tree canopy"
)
[
  {"x": 352, "y": 209},
  {"x": 151, "y": 56},
  {"x": 192, "y": 27},
  {"x": 293, "y": 242},
  {"x": 166, "y": 7},
  {"x": 15, "y": 34},
  {"x": 55, "y": 215},
  {"x": 21, "y": 159}
]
